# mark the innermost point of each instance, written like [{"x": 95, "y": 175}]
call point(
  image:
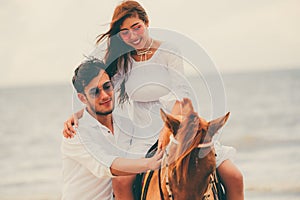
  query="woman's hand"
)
[{"x": 69, "y": 131}]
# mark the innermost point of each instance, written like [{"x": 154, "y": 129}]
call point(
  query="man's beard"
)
[
  {"x": 100, "y": 113},
  {"x": 103, "y": 113}
]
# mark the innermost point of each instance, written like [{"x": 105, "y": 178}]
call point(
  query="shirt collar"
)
[
  {"x": 119, "y": 121},
  {"x": 87, "y": 118}
]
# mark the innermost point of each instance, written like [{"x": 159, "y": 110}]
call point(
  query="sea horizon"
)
[{"x": 263, "y": 127}]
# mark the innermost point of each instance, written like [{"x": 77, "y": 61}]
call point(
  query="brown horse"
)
[{"x": 188, "y": 168}]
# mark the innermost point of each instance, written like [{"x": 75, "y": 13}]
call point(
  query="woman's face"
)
[{"x": 134, "y": 32}]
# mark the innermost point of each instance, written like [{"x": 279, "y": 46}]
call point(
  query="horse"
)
[{"x": 188, "y": 168}]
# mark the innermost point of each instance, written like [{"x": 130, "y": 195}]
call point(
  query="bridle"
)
[{"x": 165, "y": 160}]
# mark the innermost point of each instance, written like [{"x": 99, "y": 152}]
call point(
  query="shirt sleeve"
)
[{"x": 74, "y": 149}]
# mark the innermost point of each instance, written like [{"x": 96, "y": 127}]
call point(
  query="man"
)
[{"x": 91, "y": 157}]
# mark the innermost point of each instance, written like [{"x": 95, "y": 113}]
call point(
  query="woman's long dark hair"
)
[{"x": 118, "y": 53}]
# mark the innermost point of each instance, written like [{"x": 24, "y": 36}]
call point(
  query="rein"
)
[{"x": 165, "y": 158}]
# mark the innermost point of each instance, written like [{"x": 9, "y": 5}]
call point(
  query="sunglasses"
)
[
  {"x": 106, "y": 87},
  {"x": 137, "y": 29}
]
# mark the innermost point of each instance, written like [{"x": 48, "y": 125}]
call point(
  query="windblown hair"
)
[
  {"x": 118, "y": 52},
  {"x": 86, "y": 72}
]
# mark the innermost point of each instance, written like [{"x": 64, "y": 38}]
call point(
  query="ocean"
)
[{"x": 264, "y": 127}]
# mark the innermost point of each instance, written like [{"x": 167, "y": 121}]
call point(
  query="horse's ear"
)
[
  {"x": 215, "y": 125},
  {"x": 163, "y": 115},
  {"x": 171, "y": 122},
  {"x": 187, "y": 106}
]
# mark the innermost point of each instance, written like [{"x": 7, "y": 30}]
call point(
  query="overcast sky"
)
[{"x": 43, "y": 41}]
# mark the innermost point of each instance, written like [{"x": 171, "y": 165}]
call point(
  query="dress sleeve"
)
[
  {"x": 179, "y": 84},
  {"x": 74, "y": 149}
]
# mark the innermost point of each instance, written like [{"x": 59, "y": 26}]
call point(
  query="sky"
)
[{"x": 42, "y": 42}]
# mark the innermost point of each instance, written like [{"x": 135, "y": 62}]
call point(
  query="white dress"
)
[{"x": 151, "y": 85}]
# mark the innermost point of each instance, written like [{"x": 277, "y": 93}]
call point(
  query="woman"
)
[{"x": 130, "y": 53}]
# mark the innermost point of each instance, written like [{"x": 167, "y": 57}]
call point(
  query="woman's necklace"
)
[{"x": 143, "y": 53}]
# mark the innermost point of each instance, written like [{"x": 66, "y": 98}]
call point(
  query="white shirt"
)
[{"x": 87, "y": 159}]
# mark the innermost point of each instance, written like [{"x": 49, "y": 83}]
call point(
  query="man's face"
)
[{"x": 99, "y": 95}]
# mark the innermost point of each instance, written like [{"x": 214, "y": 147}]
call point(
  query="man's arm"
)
[
  {"x": 74, "y": 149},
  {"x": 125, "y": 166}
]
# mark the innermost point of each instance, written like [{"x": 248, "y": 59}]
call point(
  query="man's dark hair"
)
[{"x": 85, "y": 72}]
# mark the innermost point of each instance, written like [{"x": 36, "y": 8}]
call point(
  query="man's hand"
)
[{"x": 155, "y": 161}]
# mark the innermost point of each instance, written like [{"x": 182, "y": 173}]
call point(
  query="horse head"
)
[{"x": 190, "y": 156}]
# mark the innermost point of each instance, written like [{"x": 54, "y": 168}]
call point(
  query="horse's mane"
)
[{"x": 188, "y": 138}]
